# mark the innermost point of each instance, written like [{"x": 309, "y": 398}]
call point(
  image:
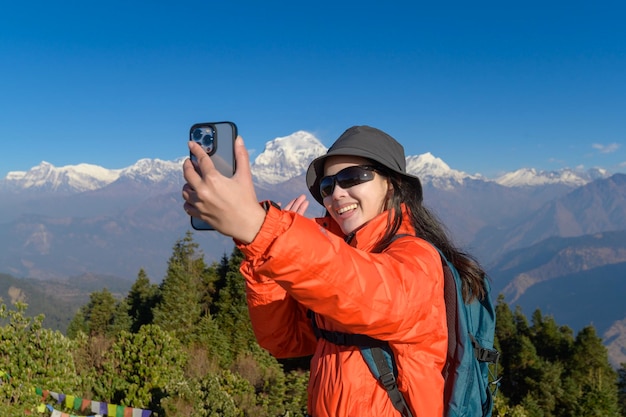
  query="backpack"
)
[{"x": 468, "y": 391}]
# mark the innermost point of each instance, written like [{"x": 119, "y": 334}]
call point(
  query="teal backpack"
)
[{"x": 469, "y": 384}]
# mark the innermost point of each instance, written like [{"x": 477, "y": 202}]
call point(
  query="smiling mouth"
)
[{"x": 346, "y": 208}]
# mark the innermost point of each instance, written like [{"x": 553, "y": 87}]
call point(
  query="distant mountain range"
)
[
  {"x": 283, "y": 158},
  {"x": 548, "y": 239}
]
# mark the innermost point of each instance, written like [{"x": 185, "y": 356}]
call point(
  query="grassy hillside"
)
[{"x": 57, "y": 300}]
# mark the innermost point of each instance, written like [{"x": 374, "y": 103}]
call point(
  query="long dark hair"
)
[{"x": 428, "y": 227}]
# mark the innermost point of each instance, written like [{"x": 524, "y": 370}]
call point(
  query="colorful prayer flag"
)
[
  {"x": 85, "y": 404},
  {"x": 69, "y": 401}
]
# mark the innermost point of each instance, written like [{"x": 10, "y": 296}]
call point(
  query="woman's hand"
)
[
  {"x": 298, "y": 205},
  {"x": 229, "y": 204}
]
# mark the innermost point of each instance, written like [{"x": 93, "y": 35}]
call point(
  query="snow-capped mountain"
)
[
  {"x": 282, "y": 159},
  {"x": 154, "y": 170},
  {"x": 531, "y": 177},
  {"x": 431, "y": 169},
  {"x": 286, "y": 157},
  {"x": 86, "y": 177},
  {"x": 71, "y": 178}
]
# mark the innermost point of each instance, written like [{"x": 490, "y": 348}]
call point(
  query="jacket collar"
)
[{"x": 366, "y": 237}]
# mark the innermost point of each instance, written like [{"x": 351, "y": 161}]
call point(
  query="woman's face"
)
[{"x": 352, "y": 207}]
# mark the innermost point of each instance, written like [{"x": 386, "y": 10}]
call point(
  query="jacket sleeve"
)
[
  {"x": 280, "y": 323},
  {"x": 396, "y": 295}
]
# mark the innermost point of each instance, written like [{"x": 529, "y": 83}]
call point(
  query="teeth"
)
[{"x": 346, "y": 208}]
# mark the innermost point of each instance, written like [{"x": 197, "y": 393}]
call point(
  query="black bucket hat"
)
[{"x": 366, "y": 142}]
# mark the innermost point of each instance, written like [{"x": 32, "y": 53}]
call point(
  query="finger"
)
[
  {"x": 203, "y": 162},
  {"x": 191, "y": 210},
  {"x": 302, "y": 204},
  {"x": 190, "y": 173},
  {"x": 298, "y": 204},
  {"x": 242, "y": 159},
  {"x": 303, "y": 208},
  {"x": 187, "y": 192},
  {"x": 289, "y": 205}
]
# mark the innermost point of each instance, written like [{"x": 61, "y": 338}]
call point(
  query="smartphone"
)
[{"x": 218, "y": 140}]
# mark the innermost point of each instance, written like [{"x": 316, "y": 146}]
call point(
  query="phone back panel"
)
[{"x": 218, "y": 140}]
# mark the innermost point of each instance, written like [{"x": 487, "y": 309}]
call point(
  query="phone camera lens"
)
[
  {"x": 207, "y": 136},
  {"x": 197, "y": 134},
  {"x": 207, "y": 141}
]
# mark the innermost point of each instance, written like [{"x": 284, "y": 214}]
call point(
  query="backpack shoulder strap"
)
[{"x": 378, "y": 357}]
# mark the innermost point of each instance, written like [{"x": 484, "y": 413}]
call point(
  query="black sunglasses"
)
[{"x": 346, "y": 178}]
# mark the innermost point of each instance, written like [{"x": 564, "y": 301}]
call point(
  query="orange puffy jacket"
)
[{"x": 296, "y": 264}]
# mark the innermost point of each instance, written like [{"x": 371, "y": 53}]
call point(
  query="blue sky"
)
[{"x": 488, "y": 87}]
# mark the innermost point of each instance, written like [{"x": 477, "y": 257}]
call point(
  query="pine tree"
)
[
  {"x": 505, "y": 325},
  {"x": 552, "y": 342},
  {"x": 621, "y": 386},
  {"x": 519, "y": 359},
  {"x": 101, "y": 313},
  {"x": 121, "y": 318},
  {"x": 218, "y": 272},
  {"x": 179, "y": 308},
  {"x": 232, "y": 309},
  {"x": 553, "y": 390},
  {"x": 208, "y": 288},
  {"x": 549, "y": 373},
  {"x": 78, "y": 324},
  {"x": 594, "y": 376},
  {"x": 142, "y": 298},
  {"x": 214, "y": 343},
  {"x": 504, "y": 339}
]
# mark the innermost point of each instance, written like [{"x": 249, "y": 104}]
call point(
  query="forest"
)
[{"x": 185, "y": 347}]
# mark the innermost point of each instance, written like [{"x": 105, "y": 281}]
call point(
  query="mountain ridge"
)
[
  {"x": 598, "y": 206},
  {"x": 282, "y": 159},
  {"x": 578, "y": 280}
]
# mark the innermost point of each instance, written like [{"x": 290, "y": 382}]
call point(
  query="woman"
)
[{"x": 366, "y": 267}]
